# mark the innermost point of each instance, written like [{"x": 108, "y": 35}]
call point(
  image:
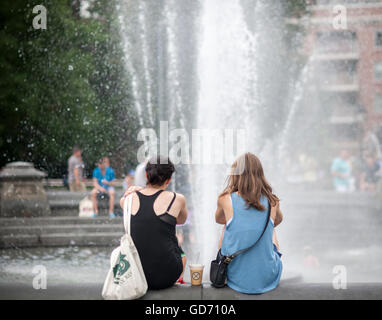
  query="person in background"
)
[
  {"x": 129, "y": 180},
  {"x": 369, "y": 177},
  {"x": 76, "y": 171},
  {"x": 107, "y": 164},
  {"x": 103, "y": 182},
  {"x": 341, "y": 171},
  {"x": 310, "y": 260}
]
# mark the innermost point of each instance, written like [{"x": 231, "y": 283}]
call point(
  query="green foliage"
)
[
  {"x": 296, "y": 8},
  {"x": 63, "y": 86}
]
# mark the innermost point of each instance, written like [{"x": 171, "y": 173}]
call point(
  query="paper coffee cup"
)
[{"x": 196, "y": 273}]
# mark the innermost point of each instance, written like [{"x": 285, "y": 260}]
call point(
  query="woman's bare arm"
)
[
  {"x": 279, "y": 215},
  {"x": 219, "y": 214},
  {"x": 221, "y": 238},
  {"x": 183, "y": 213}
]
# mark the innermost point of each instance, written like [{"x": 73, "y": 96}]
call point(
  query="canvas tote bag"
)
[
  {"x": 86, "y": 208},
  {"x": 125, "y": 279}
]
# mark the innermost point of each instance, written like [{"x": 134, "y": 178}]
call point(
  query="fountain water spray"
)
[{"x": 204, "y": 65}]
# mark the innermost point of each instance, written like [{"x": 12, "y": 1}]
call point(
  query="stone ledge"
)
[
  {"x": 285, "y": 291},
  {"x": 177, "y": 292},
  {"x": 70, "y": 228},
  {"x": 23, "y": 240},
  {"x": 59, "y": 231},
  {"x": 44, "y": 221},
  {"x": 301, "y": 291},
  {"x": 87, "y": 239}
]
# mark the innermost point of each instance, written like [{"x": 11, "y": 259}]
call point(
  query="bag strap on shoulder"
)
[
  {"x": 228, "y": 259},
  {"x": 127, "y": 213},
  {"x": 172, "y": 201}
]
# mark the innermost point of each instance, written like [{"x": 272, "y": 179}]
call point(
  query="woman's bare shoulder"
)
[
  {"x": 224, "y": 199},
  {"x": 226, "y": 196},
  {"x": 178, "y": 196}
]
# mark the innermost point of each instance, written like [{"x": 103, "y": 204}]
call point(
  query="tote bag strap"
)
[{"x": 127, "y": 213}]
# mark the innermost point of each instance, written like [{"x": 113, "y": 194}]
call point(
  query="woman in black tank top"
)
[{"x": 154, "y": 233}]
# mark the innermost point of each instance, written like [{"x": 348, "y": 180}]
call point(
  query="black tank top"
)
[{"x": 155, "y": 239}]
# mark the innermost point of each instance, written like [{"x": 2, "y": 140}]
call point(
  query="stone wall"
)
[{"x": 21, "y": 191}]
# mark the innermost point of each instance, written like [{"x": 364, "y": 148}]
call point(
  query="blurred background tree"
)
[
  {"x": 64, "y": 86},
  {"x": 67, "y": 85}
]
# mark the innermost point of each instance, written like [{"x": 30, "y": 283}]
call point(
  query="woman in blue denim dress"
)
[{"x": 243, "y": 208}]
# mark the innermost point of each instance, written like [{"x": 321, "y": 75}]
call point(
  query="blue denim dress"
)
[{"x": 257, "y": 270}]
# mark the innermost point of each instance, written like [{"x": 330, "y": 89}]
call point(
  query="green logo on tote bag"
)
[{"x": 120, "y": 268}]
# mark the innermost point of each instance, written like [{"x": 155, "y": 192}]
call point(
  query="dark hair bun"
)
[{"x": 159, "y": 169}]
